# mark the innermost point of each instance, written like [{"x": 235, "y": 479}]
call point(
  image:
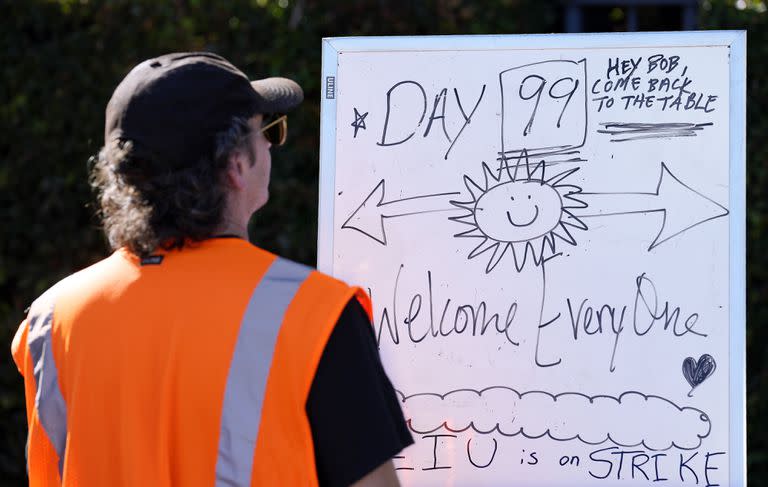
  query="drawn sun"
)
[{"x": 520, "y": 210}]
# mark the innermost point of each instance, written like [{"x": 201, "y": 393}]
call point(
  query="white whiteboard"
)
[{"x": 552, "y": 231}]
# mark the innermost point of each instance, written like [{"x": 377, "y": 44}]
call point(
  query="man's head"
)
[
  {"x": 247, "y": 176},
  {"x": 183, "y": 148}
]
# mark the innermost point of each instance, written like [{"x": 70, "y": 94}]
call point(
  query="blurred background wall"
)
[{"x": 61, "y": 59}]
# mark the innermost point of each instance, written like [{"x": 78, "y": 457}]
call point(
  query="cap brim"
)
[{"x": 279, "y": 95}]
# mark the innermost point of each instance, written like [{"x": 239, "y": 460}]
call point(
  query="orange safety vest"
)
[{"x": 192, "y": 369}]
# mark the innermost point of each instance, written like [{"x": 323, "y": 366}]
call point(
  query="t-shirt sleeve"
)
[{"x": 353, "y": 410}]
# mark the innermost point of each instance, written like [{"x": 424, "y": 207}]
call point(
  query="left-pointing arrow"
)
[{"x": 368, "y": 218}]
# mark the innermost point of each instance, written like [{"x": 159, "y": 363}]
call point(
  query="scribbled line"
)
[
  {"x": 497, "y": 428},
  {"x": 565, "y": 161},
  {"x": 624, "y": 132},
  {"x": 504, "y": 160},
  {"x": 558, "y": 150}
]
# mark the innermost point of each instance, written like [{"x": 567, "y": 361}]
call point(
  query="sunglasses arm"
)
[{"x": 274, "y": 122}]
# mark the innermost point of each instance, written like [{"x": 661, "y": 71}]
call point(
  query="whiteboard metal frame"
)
[{"x": 333, "y": 47}]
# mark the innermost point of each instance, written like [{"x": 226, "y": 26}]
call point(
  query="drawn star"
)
[{"x": 359, "y": 122}]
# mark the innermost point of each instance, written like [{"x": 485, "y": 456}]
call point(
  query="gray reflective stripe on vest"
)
[
  {"x": 49, "y": 402},
  {"x": 248, "y": 372}
]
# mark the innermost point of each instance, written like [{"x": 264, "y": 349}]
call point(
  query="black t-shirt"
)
[{"x": 356, "y": 420}]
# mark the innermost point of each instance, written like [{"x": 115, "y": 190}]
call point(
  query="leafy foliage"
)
[
  {"x": 63, "y": 58},
  {"x": 751, "y": 16}
]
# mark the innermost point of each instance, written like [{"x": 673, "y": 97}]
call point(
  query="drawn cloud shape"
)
[{"x": 633, "y": 419}]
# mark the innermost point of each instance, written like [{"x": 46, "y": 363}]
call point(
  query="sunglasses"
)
[{"x": 276, "y": 129}]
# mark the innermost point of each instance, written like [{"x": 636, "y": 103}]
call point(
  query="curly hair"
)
[{"x": 144, "y": 204}]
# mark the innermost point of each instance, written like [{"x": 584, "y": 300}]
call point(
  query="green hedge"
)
[
  {"x": 722, "y": 15},
  {"x": 61, "y": 60}
]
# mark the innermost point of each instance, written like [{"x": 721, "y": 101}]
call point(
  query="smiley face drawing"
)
[{"x": 518, "y": 209}]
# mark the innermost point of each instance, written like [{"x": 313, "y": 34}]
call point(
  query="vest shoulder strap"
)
[{"x": 285, "y": 434}]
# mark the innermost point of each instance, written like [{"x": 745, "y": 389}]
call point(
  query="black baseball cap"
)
[{"x": 174, "y": 105}]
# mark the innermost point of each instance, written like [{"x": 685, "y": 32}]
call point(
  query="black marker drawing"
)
[
  {"x": 540, "y": 101},
  {"x": 523, "y": 211},
  {"x": 624, "y": 132},
  {"x": 536, "y": 202},
  {"x": 467, "y": 118},
  {"x": 520, "y": 210},
  {"x": 409, "y": 95},
  {"x": 697, "y": 372},
  {"x": 517, "y": 209},
  {"x": 488, "y": 463},
  {"x": 359, "y": 122},
  {"x": 440, "y": 97},
  {"x": 384, "y": 141},
  {"x": 541, "y": 153},
  {"x": 632, "y": 419},
  {"x": 368, "y": 218},
  {"x": 681, "y": 206}
]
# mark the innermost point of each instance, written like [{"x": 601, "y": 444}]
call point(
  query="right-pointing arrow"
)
[{"x": 682, "y": 207}]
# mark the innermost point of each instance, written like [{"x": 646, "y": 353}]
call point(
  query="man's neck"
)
[
  {"x": 235, "y": 216},
  {"x": 231, "y": 228}
]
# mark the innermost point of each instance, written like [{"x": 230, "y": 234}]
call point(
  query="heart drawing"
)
[{"x": 697, "y": 372}]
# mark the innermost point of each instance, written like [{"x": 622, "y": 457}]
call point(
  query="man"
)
[{"x": 190, "y": 356}]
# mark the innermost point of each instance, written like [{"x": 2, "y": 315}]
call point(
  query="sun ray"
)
[
  {"x": 472, "y": 233},
  {"x": 484, "y": 246},
  {"x": 466, "y": 219},
  {"x": 520, "y": 253},
  {"x": 518, "y": 247},
  {"x": 548, "y": 241},
  {"x": 489, "y": 176},
  {"x": 473, "y": 187},
  {"x": 505, "y": 175},
  {"x": 577, "y": 203},
  {"x": 563, "y": 230},
  {"x": 508, "y": 213},
  {"x": 501, "y": 249},
  {"x": 536, "y": 168},
  {"x": 560, "y": 176},
  {"x": 535, "y": 256},
  {"x": 567, "y": 189},
  {"x": 465, "y": 205},
  {"x": 523, "y": 156},
  {"x": 574, "y": 221},
  {"x": 524, "y": 249}
]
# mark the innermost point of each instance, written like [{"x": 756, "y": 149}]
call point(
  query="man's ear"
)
[{"x": 235, "y": 173}]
